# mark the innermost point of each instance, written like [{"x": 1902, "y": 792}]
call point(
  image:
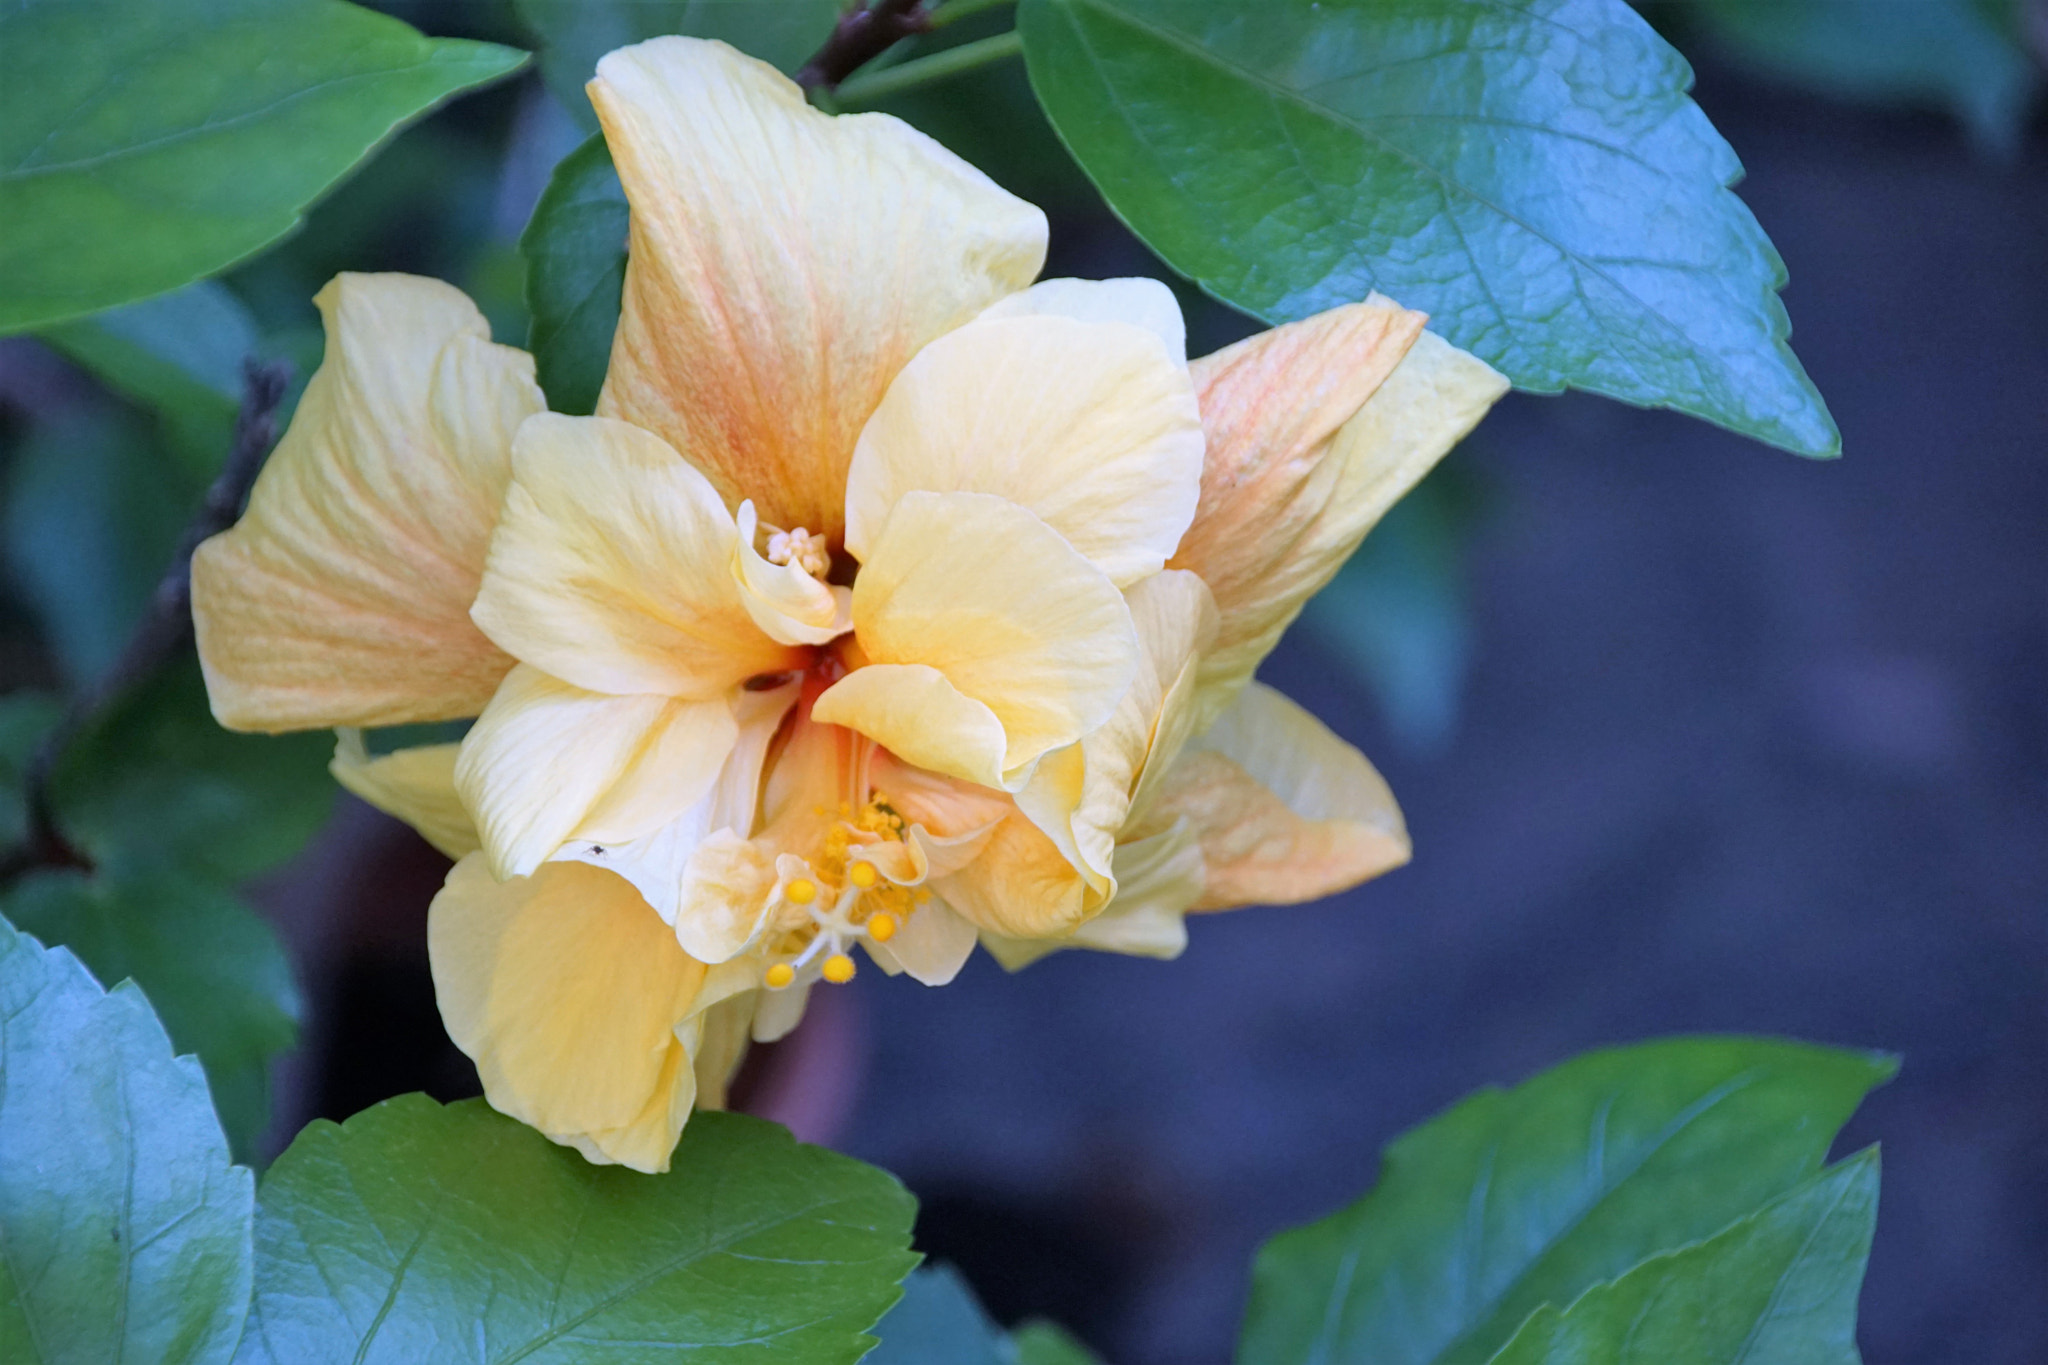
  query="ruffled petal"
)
[
  {"x": 612, "y": 567},
  {"x": 417, "y": 785},
  {"x": 1091, "y": 425},
  {"x": 784, "y": 266},
  {"x": 548, "y": 761},
  {"x": 342, "y": 597},
  {"x": 932, "y": 945},
  {"x": 1285, "y": 810},
  {"x": 1157, "y": 879},
  {"x": 568, "y": 991},
  {"x": 1138, "y": 300},
  {"x": 987, "y": 596},
  {"x": 1314, "y": 430}
]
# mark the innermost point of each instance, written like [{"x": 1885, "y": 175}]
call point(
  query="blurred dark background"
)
[{"x": 1691, "y": 735}]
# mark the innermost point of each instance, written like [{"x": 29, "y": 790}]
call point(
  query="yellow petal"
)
[
  {"x": 342, "y": 597},
  {"x": 784, "y": 266},
  {"x": 1091, "y": 425},
  {"x": 567, "y": 990},
  {"x": 932, "y": 945},
  {"x": 417, "y": 785},
  {"x": 1314, "y": 430},
  {"x": 722, "y": 1046},
  {"x": 989, "y": 597},
  {"x": 1285, "y": 810},
  {"x": 789, "y": 605},
  {"x": 612, "y": 567},
  {"x": 1157, "y": 879},
  {"x": 1137, "y": 300},
  {"x": 547, "y": 761}
]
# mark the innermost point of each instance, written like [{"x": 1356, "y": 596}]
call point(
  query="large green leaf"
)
[
  {"x": 1776, "y": 1288},
  {"x": 213, "y": 969},
  {"x": 1517, "y": 1198},
  {"x": 147, "y": 143},
  {"x": 1531, "y": 174},
  {"x": 124, "y": 1232},
  {"x": 573, "y": 34},
  {"x": 575, "y": 250},
  {"x": 414, "y": 1227}
]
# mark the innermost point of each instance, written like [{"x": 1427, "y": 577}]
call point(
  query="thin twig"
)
[
  {"x": 861, "y": 35},
  {"x": 166, "y": 624},
  {"x": 866, "y": 87}
]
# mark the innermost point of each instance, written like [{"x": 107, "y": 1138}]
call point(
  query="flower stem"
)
[
  {"x": 867, "y": 88},
  {"x": 952, "y": 11}
]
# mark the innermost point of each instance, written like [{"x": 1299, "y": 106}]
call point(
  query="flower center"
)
[
  {"x": 828, "y": 903},
  {"x": 801, "y": 548}
]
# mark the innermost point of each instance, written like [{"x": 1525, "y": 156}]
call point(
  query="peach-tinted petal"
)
[
  {"x": 612, "y": 567},
  {"x": 1285, "y": 810},
  {"x": 1314, "y": 430},
  {"x": 789, "y": 605},
  {"x": 547, "y": 761},
  {"x": 1137, "y": 300},
  {"x": 342, "y": 597},
  {"x": 1157, "y": 879},
  {"x": 1091, "y": 425},
  {"x": 784, "y": 266},
  {"x": 993, "y": 600},
  {"x": 567, "y": 991},
  {"x": 417, "y": 785}
]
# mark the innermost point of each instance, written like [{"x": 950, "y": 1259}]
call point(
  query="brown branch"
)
[
  {"x": 166, "y": 624},
  {"x": 861, "y": 35}
]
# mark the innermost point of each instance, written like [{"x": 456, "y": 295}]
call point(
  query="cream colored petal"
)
[
  {"x": 1158, "y": 879},
  {"x": 789, "y": 605},
  {"x": 1137, "y": 300},
  {"x": 342, "y": 596},
  {"x": 781, "y": 1011},
  {"x": 612, "y": 567},
  {"x": 722, "y": 1046},
  {"x": 984, "y": 593},
  {"x": 932, "y": 945},
  {"x": 566, "y": 990},
  {"x": 1314, "y": 430},
  {"x": 784, "y": 266},
  {"x": 417, "y": 785},
  {"x": 548, "y": 761},
  {"x": 1092, "y": 426},
  {"x": 1285, "y": 810}
]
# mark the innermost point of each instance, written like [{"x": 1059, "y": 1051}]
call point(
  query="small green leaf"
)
[
  {"x": 1532, "y": 175},
  {"x": 573, "y": 34},
  {"x": 575, "y": 250},
  {"x": 412, "y": 1228},
  {"x": 156, "y": 781},
  {"x": 1039, "y": 1342},
  {"x": 1776, "y": 1288},
  {"x": 180, "y": 356},
  {"x": 212, "y": 968},
  {"x": 145, "y": 144},
  {"x": 1522, "y": 1197},
  {"x": 124, "y": 1232},
  {"x": 1961, "y": 54},
  {"x": 938, "y": 1321}
]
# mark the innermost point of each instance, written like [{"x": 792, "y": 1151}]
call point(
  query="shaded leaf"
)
[
  {"x": 413, "y": 1226},
  {"x": 1518, "y": 1198},
  {"x": 148, "y": 143},
  {"x": 1776, "y": 1288},
  {"x": 25, "y": 717},
  {"x": 1532, "y": 175},
  {"x": 124, "y": 1232},
  {"x": 938, "y": 1321},
  {"x": 213, "y": 969},
  {"x": 575, "y": 250},
  {"x": 1039, "y": 1342}
]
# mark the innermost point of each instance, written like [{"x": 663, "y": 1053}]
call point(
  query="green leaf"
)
[
  {"x": 25, "y": 717},
  {"x": 1958, "y": 54},
  {"x": 1039, "y": 1342},
  {"x": 145, "y": 144},
  {"x": 575, "y": 250},
  {"x": 213, "y": 969},
  {"x": 124, "y": 1232},
  {"x": 1517, "y": 1198},
  {"x": 413, "y": 1227},
  {"x": 1776, "y": 1288},
  {"x": 573, "y": 34},
  {"x": 179, "y": 355},
  {"x": 938, "y": 1321},
  {"x": 1532, "y": 175},
  {"x": 156, "y": 781}
]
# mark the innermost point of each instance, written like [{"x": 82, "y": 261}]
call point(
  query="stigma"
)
[{"x": 837, "y": 899}]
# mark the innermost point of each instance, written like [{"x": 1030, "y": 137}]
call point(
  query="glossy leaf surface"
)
[
  {"x": 124, "y": 1232},
  {"x": 413, "y": 1228},
  {"x": 1534, "y": 176},
  {"x": 145, "y": 144},
  {"x": 1518, "y": 1198},
  {"x": 575, "y": 252}
]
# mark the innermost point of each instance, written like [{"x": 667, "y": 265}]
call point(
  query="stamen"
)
[
  {"x": 801, "y": 548},
  {"x": 838, "y": 969}
]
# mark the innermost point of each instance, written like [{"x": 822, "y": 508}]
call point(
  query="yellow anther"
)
[
  {"x": 882, "y": 927},
  {"x": 780, "y": 975},
  {"x": 803, "y": 891},
  {"x": 838, "y": 969},
  {"x": 863, "y": 875}
]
